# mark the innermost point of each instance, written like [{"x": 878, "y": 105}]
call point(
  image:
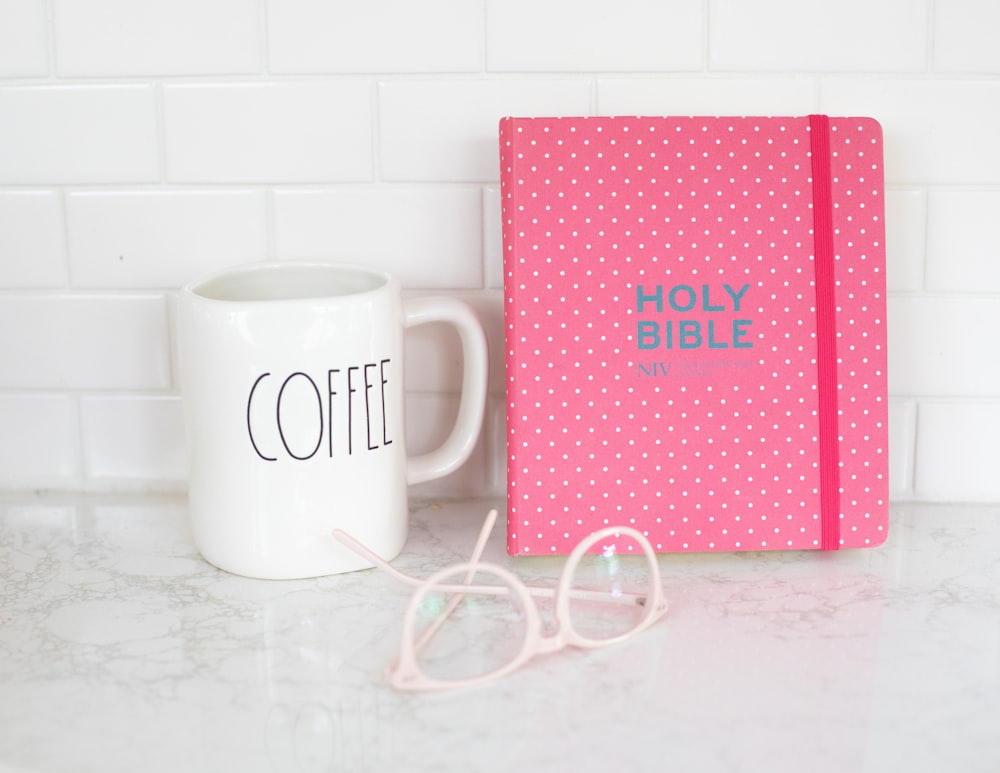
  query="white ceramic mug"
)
[{"x": 292, "y": 380}]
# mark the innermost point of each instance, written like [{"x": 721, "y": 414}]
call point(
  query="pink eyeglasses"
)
[{"x": 474, "y": 622}]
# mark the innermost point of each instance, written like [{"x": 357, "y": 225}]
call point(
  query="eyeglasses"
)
[{"x": 474, "y": 622}]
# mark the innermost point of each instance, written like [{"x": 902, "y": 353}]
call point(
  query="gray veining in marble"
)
[{"x": 121, "y": 650}]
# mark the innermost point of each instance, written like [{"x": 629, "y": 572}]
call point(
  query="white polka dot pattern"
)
[{"x": 661, "y": 338}]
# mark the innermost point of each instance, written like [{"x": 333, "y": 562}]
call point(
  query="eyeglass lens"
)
[
  {"x": 619, "y": 569},
  {"x": 460, "y": 636}
]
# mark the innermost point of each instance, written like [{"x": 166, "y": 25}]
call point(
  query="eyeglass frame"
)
[{"x": 405, "y": 672}]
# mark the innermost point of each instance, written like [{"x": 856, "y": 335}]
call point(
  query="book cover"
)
[{"x": 695, "y": 331}]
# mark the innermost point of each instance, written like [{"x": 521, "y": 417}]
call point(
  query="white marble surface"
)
[{"x": 121, "y": 650}]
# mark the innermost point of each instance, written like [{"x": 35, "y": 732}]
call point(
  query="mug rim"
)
[{"x": 194, "y": 289}]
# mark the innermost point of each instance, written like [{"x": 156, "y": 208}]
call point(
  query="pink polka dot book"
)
[{"x": 695, "y": 331}]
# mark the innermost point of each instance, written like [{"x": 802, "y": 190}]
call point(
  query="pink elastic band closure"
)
[{"x": 826, "y": 332}]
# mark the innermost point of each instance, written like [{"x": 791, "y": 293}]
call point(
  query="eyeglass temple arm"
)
[
  {"x": 477, "y": 552},
  {"x": 496, "y": 590},
  {"x": 348, "y": 541}
]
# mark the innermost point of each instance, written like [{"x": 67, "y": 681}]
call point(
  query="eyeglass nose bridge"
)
[{"x": 559, "y": 639}]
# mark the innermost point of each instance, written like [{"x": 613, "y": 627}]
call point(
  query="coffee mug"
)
[{"x": 292, "y": 382}]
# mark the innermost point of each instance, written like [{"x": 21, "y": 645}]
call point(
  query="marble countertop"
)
[{"x": 121, "y": 650}]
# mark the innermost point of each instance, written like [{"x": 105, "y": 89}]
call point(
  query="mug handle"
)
[{"x": 451, "y": 454}]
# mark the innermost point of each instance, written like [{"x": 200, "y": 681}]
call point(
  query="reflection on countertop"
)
[{"x": 121, "y": 650}]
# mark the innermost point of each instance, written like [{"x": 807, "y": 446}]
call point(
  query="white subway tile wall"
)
[
  {"x": 41, "y": 441},
  {"x": 424, "y": 226},
  {"x": 385, "y": 36},
  {"x": 275, "y": 131},
  {"x": 961, "y": 252},
  {"x": 445, "y": 130},
  {"x": 85, "y": 341},
  {"x": 23, "y": 38},
  {"x": 145, "y": 144},
  {"x": 123, "y": 38},
  {"x": 723, "y": 94},
  {"x": 59, "y": 133},
  {"x": 32, "y": 239},
  {"x": 161, "y": 239},
  {"x": 965, "y": 36},
  {"x": 818, "y": 35},
  {"x": 594, "y": 36}
]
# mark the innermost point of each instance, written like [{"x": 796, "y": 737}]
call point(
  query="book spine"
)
[{"x": 508, "y": 215}]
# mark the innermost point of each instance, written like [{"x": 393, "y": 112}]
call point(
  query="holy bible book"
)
[{"x": 695, "y": 331}]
